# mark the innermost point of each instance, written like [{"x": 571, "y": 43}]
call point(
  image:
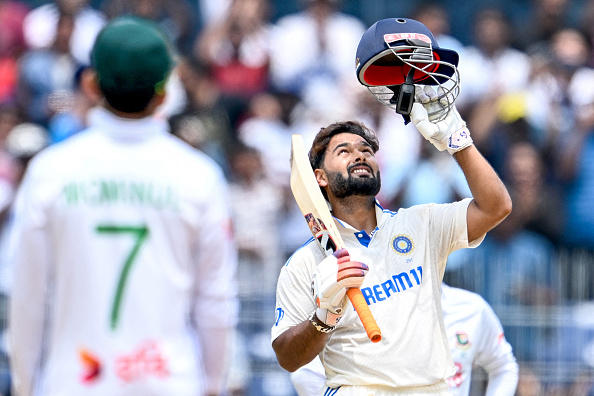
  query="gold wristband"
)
[{"x": 319, "y": 325}]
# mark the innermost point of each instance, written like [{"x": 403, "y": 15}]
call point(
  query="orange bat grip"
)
[{"x": 360, "y": 305}]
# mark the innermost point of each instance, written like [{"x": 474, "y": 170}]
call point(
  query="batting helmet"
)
[{"x": 396, "y": 53}]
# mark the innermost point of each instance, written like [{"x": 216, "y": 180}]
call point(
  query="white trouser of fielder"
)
[{"x": 432, "y": 390}]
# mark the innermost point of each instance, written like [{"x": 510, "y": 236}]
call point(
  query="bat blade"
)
[{"x": 315, "y": 210}]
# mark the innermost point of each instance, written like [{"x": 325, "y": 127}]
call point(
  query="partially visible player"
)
[
  {"x": 475, "y": 336},
  {"x": 124, "y": 263}
]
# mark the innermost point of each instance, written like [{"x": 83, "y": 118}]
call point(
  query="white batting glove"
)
[
  {"x": 451, "y": 134},
  {"x": 333, "y": 276}
]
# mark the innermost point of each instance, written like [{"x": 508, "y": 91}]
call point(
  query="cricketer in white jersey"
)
[
  {"x": 397, "y": 259},
  {"x": 402, "y": 290},
  {"x": 124, "y": 265},
  {"x": 475, "y": 336}
]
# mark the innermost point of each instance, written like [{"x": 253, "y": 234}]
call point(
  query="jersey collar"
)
[
  {"x": 126, "y": 129},
  {"x": 362, "y": 236}
]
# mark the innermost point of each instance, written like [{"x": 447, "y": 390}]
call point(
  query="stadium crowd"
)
[{"x": 247, "y": 78}]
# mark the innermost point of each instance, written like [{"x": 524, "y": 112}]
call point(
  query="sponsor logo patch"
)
[
  {"x": 91, "y": 366},
  {"x": 146, "y": 360}
]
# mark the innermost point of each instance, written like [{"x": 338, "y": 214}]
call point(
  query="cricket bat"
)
[{"x": 317, "y": 214}]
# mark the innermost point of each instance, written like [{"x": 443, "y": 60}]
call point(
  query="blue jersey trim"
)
[
  {"x": 363, "y": 237},
  {"x": 331, "y": 391},
  {"x": 310, "y": 240}
]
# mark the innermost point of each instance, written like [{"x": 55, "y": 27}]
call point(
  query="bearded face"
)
[{"x": 364, "y": 184}]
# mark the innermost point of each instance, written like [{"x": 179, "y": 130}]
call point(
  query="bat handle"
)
[{"x": 360, "y": 305}]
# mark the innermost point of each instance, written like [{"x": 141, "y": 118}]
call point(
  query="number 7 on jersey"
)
[{"x": 310, "y": 200}]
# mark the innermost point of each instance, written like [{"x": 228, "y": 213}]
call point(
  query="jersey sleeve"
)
[
  {"x": 29, "y": 258},
  {"x": 449, "y": 220},
  {"x": 495, "y": 356},
  {"x": 294, "y": 298},
  {"x": 448, "y": 228}
]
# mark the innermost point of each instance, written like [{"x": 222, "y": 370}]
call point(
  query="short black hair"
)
[
  {"x": 322, "y": 139},
  {"x": 129, "y": 102}
]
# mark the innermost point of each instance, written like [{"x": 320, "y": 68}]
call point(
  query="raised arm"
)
[{"x": 492, "y": 202}]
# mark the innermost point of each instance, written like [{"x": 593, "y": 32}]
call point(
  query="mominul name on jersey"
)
[{"x": 114, "y": 192}]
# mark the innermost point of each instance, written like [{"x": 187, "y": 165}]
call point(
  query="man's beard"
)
[{"x": 342, "y": 187}]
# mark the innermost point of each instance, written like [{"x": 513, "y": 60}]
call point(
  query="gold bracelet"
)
[{"x": 320, "y": 326}]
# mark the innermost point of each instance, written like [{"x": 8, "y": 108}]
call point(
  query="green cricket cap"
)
[{"x": 131, "y": 54}]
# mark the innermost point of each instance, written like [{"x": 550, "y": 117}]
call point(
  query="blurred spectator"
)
[
  {"x": 538, "y": 202},
  {"x": 237, "y": 48},
  {"x": 257, "y": 206},
  {"x": 318, "y": 43},
  {"x": 213, "y": 11},
  {"x": 576, "y": 168},
  {"x": 10, "y": 166},
  {"x": 10, "y": 116},
  {"x": 12, "y": 45},
  {"x": 435, "y": 16},
  {"x": 585, "y": 24},
  {"x": 177, "y": 18},
  {"x": 46, "y": 82},
  {"x": 73, "y": 119},
  {"x": 490, "y": 68},
  {"x": 556, "y": 93},
  {"x": 435, "y": 178},
  {"x": 546, "y": 18},
  {"x": 205, "y": 122},
  {"x": 20, "y": 144},
  {"x": 41, "y": 26},
  {"x": 265, "y": 130}
]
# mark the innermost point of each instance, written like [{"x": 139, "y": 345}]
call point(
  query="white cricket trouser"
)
[{"x": 433, "y": 390}]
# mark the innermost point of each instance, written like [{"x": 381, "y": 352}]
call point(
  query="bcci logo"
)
[{"x": 402, "y": 244}]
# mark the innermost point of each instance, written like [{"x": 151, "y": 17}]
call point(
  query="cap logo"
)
[{"x": 390, "y": 38}]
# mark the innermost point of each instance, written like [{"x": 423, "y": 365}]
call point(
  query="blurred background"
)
[{"x": 252, "y": 72}]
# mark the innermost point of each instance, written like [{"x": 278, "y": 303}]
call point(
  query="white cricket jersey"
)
[
  {"x": 406, "y": 255},
  {"x": 476, "y": 338},
  {"x": 128, "y": 228}
]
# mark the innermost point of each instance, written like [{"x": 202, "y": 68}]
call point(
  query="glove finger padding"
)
[
  {"x": 435, "y": 103},
  {"x": 424, "y": 95},
  {"x": 429, "y": 130},
  {"x": 333, "y": 276}
]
